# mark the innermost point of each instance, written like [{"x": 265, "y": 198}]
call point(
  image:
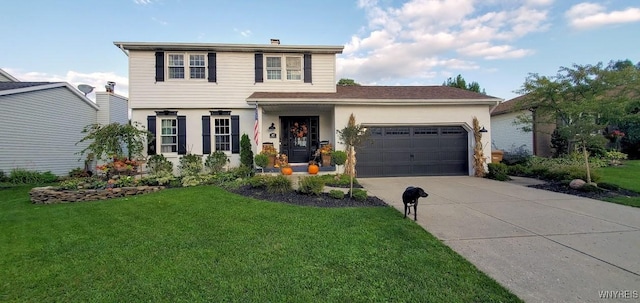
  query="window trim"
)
[
  {"x": 186, "y": 61},
  {"x": 215, "y": 135},
  {"x": 162, "y": 135}
]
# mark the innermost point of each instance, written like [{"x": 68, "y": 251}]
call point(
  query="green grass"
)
[
  {"x": 203, "y": 244},
  {"x": 625, "y": 176}
]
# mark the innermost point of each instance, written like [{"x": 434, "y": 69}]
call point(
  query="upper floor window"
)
[
  {"x": 292, "y": 67},
  {"x": 196, "y": 68}
]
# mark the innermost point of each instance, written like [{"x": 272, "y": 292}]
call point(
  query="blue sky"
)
[{"x": 387, "y": 42}]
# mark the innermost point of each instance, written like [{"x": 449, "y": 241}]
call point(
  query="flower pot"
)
[
  {"x": 313, "y": 169},
  {"x": 326, "y": 160},
  {"x": 272, "y": 161},
  {"x": 286, "y": 171}
]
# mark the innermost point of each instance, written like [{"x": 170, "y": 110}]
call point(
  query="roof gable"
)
[
  {"x": 10, "y": 88},
  {"x": 507, "y": 106}
]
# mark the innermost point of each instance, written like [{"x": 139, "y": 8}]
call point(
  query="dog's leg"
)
[
  {"x": 415, "y": 211},
  {"x": 405, "y": 210}
]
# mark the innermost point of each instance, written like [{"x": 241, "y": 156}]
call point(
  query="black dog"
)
[{"x": 410, "y": 198}]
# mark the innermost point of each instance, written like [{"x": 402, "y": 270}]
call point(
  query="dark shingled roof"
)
[
  {"x": 16, "y": 85},
  {"x": 381, "y": 92},
  {"x": 507, "y": 106}
]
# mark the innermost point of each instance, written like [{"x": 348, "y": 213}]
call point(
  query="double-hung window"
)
[
  {"x": 274, "y": 68},
  {"x": 187, "y": 66},
  {"x": 196, "y": 67},
  {"x": 222, "y": 134},
  {"x": 294, "y": 68},
  {"x": 176, "y": 66},
  {"x": 290, "y": 66},
  {"x": 169, "y": 135}
]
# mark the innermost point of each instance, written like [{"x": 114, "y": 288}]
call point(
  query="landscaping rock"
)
[
  {"x": 577, "y": 183},
  {"x": 50, "y": 194}
]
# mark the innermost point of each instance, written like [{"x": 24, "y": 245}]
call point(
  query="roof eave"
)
[
  {"x": 49, "y": 86},
  {"x": 175, "y": 46},
  {"x": 335, "y": 101}
]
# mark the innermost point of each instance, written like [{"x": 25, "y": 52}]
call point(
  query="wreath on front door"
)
[{"x": 299, "y": 130}]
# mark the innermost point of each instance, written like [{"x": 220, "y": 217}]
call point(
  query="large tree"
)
[
  {"x": 459, "y": 82},
  {"x": 583, "y": 100},
  {"x": 347, "y": 82}
]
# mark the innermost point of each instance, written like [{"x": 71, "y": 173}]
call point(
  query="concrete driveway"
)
[{"x": 543, "y": 246}]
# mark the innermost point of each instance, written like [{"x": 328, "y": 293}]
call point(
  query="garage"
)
[{"x": 414, "y": 151}]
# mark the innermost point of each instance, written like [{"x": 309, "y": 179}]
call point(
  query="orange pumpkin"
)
[
  {"x": 313, "y": 169},
  {"x": 286, "y": 170}
]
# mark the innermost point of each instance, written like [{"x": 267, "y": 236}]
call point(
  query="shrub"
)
[
  {"x": 3, "y": 176},
  {"x": 336, "y": 194},
  {"x": 191, "y": 180},
  {"x": 341, "y": 180},
  {"x": 160, "y": 178},
  {"x": 498, "y": 171},
  {"x": 125, "y": 181},
  {"x": 615, "y": 157},
  {"x": 158, "y": 164},
  {"x": 216, "y": 161},
  {"x": 516, "y": 155},
  {"x": 261, "y": 160},
  {"x": 518, "y": 170},
  {"x": 70, "y": 184},
  {"x": 190, "y": 165},
  {"x": 339, "y": 157},
  {"x": 359, "y": 194},
  {"x": 242, "y": 172},
  {"x": 23, "y": 176},
  {"x": 279, "y": 184},
  {"x": 259, "y": 181},
  {"x": 78, "y": 173},
  {"x": 175, "y": 182},
  {"x": 311, "y": 185},
  {"x": 246, "y": 154}
]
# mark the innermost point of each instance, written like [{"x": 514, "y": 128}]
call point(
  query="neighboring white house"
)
[
  {"x": 201, "y": 97},
  {"x": 42, "y": 122},
  {"x": 509, "y": 136}
]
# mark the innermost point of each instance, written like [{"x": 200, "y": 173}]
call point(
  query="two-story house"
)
[{"x": 201, "y": 97}]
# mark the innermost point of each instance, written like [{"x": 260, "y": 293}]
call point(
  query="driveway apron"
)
[{"x": 541, "y": 245}]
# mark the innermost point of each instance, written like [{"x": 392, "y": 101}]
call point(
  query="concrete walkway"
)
[{"x": 543, "y": 246}]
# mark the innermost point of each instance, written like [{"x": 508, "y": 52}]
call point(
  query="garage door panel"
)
[{"x": 413, "y": 151}]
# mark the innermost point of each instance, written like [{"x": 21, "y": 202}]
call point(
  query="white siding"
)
[
  {"x": 194, "y": 130},
  {"x": 420, "y": 115},
  {"x": 507, "y": 136},
  {"x": 236, "y": 82},
  {"x": 113, "y": 108},
  {"x": 40, "y": 130}
]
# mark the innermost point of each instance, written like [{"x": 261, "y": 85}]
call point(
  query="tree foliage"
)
[
  {"x": 114, "y": 140},
  {"x": 347, "y": 82},
  {"x": 459, "y": 82},
  {"x": 583, "y": 100}
]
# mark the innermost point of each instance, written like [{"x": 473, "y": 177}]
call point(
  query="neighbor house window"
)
[
  {"x": 194, "y": 68},
  {"x": 222, "y": 134},
  {"x": 176, "y": 66},
  {"x": 169, "y": 136},
  {"x": 274, "y": 68},
  {"x": 294, "y": 68}
]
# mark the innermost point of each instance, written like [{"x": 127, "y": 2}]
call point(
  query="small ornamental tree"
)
[
  {"x": 353, "y": 136},
  {"x": 114, "y": 140},
  {"x": 246, "y": 154}
]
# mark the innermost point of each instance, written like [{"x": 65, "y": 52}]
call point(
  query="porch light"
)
[{"x": 483, "y": 130}]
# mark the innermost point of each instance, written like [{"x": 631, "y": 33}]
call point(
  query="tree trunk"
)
[{"x": 586, "y": 162}]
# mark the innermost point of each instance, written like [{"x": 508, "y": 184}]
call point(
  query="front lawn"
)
[
  {"x": 203, "y": 244},
  {"x": 625, "y": 176}
]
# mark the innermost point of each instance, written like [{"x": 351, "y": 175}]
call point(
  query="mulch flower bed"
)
[{"x": 294, "y": 197}]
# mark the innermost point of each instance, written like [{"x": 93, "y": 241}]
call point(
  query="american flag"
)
[{"x": 255, "y": 127}]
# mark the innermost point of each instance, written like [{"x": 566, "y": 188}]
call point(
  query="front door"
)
[{"x": 298, "y": 137}]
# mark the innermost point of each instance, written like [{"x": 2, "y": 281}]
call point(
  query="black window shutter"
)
[
  {"x": 211, "y": 57},
  {"x": 206, "y": 135},
  {"x": 307, "y": 68},
  {"x": 259, "y": 72},
  {"x": 159, "y": 66},
  {"x": 182, "y": 135},
  {"x": 151, "y": 126},
  {"x": 235, "y": 134}
]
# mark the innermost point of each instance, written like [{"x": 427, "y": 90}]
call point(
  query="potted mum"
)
[{"x": 325, "y": 152}]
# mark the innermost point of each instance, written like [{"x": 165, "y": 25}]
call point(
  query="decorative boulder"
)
[{"x": 577, "y": 183}]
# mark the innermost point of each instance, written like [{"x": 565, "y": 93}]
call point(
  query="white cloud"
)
[
  {"x": 422, "y": 38},
  {"x": 142, "y": 2},
  {"x": 97, "y": 79},
  {"x": 589, "y": 15},
  {"x": 244, "y": 33}
]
